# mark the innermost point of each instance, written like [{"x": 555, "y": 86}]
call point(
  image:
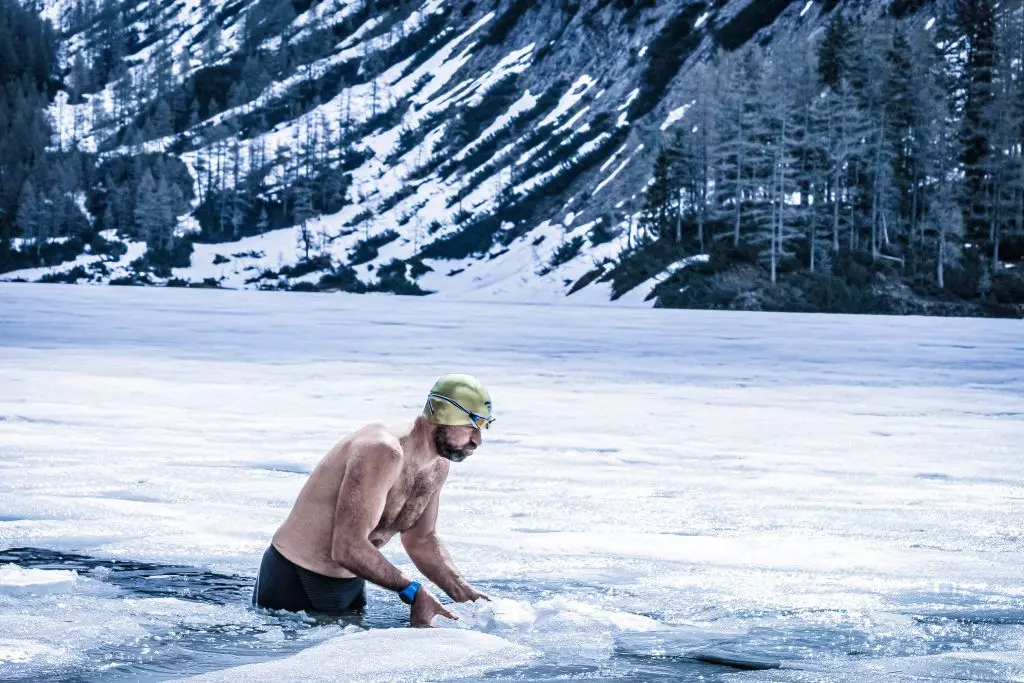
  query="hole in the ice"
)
[
  {"x": 177, "y": 581},
  {"x": 148, "y": 625}
]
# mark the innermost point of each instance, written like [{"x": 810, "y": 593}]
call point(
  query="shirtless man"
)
[{"x": 379, "y": 481}]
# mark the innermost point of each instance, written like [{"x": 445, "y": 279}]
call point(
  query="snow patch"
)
[
  {"x": 629, "y": 100},
  {"x": 616, "y": 172},
  {"x": 569, "y": 99},
  {"x": 676, "y": 115}
]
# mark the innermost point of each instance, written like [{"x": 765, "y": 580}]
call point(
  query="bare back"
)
[{"x": 306, "y": 535}]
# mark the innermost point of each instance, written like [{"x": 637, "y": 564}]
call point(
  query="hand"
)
[
  {"x": 468, "y": 594},
  {"x": 425, "y": 607}
]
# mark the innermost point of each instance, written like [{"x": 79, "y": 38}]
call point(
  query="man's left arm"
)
[{"x": 428, "y": 553}]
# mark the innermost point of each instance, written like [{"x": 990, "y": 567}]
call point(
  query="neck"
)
[{"x": 418, "y": 443}]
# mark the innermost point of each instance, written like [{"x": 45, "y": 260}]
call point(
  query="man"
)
[{"x": 380, "y": 481}]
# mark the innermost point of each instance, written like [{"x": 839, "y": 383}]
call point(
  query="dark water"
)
[
  {"x": 814, "y": 645},
  {"x": 183, "y": 649}
]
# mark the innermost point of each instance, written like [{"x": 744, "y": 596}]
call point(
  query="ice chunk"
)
[
  {"x": 15, "y": 580},
  {"x": 501, "y": 614},
  {"x": 400, "y": 654}
]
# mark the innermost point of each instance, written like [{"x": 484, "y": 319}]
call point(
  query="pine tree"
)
[
  {"x": 903, "y": 131},
  {"x": 162, "y": 236},
  {"x": 739, "y": 149},
  {"x": 109, "y": 220},
  {"x": 1004, "y": 167},
  {"x": 812, "y": 177},
  {"x": 694, "y": 155},
  {"x": 163, "y": 68},
  {"x": 263, "y": 222},
  {"x": 302, "y": 211},
  {"x": 211, "y": 41},
  {"x": 976, "y": 21},
  {"x": 656, "y": 214},
  {"x": 877, "y": 91},
  {"x": 780, "y": 131},
  {"x": 833, "y": 54},
  {"x": 942, "y": 224},
  {"x": 30, "y": 220},
  {"x": 163, "y": 123},
  {"x": 81, "y": 81},
  {"x": 148, "y": 211}
]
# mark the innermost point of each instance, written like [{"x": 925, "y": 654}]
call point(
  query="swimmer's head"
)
[{"x": 460, "y": 407}]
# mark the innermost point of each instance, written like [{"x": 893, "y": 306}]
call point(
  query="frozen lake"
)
[{"x": 664, "y": 493}]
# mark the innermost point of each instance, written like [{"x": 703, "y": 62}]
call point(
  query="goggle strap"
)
[{"x": 479, "y": 420}]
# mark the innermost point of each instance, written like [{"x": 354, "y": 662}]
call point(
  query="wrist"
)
[{"x": 408, "y": 594}]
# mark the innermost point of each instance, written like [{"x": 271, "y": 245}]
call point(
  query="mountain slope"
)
[{"x": 484, "y": 147}]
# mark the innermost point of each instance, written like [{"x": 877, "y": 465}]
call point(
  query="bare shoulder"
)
[{"x": 377, "y": 447}]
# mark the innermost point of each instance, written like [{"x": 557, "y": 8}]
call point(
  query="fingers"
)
[{"x": 446, "y": 613}]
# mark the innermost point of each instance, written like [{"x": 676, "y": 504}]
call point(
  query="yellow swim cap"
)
[{"x": 459, "y": 399}]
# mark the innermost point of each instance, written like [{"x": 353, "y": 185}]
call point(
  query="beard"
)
[{"x": 445, "y": 448}]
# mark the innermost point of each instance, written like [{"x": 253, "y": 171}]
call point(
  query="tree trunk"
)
[
  {"x": 836, "y": 194},
  {"x": 876, "y": 192},
  {"x": 776, "y": 212},
  {"x": 913, "y": 205},
  {"x": 679, "y": 218},
  {"x": 739, "y": 193}
]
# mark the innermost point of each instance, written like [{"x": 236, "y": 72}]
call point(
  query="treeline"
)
[
  {"x": 46, "y": 192},
  {"x": 27, "y": 57},
  {"x": 899, "y": 140}
]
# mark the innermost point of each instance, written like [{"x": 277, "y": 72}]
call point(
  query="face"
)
[{"x": 456, "y": 443}]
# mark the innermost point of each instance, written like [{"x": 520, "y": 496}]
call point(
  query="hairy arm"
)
[
  {"x": 431, "y": 557},
  {"x": 369, "y": 475}
]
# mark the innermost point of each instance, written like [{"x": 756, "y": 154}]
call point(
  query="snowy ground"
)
[{"x": 841, "y": 494}]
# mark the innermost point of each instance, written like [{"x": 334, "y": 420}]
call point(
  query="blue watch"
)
[{"x": 408, "y": 594}]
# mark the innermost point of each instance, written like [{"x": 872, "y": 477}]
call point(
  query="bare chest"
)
[{"x": 407, "y": 501}]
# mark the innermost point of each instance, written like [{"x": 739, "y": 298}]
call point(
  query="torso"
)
[{"x": 306, "y": 535}]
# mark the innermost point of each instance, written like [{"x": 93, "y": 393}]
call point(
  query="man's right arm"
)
[{"x": 369, "y": 475}]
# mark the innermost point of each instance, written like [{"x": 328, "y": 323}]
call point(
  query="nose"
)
[{"x": 476, "y": 437}]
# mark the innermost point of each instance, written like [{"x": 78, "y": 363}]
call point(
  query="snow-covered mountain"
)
[{"x": 485, "y": 148}]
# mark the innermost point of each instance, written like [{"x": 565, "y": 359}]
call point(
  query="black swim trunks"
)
[{"x": 282, "y": 584}]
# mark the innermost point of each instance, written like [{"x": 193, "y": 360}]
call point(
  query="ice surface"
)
[{"x": 830, "y": 491}]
